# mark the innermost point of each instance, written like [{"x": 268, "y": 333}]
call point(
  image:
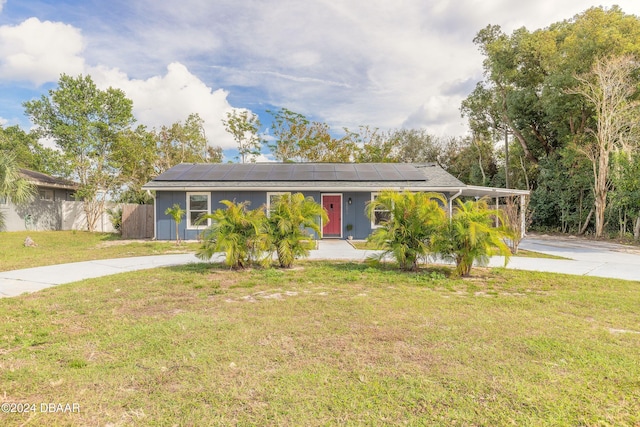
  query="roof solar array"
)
[{"x": 270, "y": 172}]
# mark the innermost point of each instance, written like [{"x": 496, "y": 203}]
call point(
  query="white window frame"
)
[
  {"x": 273, "y": 193},
  {"x": 373, "y": 224},
  {"x": 46, "y": 194},
  {"x": 204, "y": 224}
]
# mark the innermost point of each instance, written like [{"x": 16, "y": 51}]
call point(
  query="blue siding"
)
[
  {"x": 353, "y": 213},
  {"x": 165, "y": 226}
]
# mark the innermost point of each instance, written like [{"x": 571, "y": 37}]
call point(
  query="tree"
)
[
  {"x": 12, "y": 185},
  {"x": 176, "y": 213},
  {"x": 626, "y": 194},
  {"x": 29, "y": 153},
  {"x": 137, "y": 155},
  {"x": 288, "y": 221},
  {"x": 236, "y": 231},
  {"x": 528, "y": 83},
  {"x": 372, "y": 145},
  {"x": 244, "y": 126},
  {"x": 470, "y": 235},
  {"x": 409, "y": 223},
  {"x": 610, "y": 88},
  {"x": 143, "y": 154},
  {"x": 181, "y": 143},
  {"x": 416, "y": 146},
  {"x": 290, "y": 129},
  {"x": 84, "y": 122}
]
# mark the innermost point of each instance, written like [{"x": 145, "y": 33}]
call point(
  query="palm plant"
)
[
  {"x": 471, "y": 235},
  {"x": 290, "y": 218},
  {"x": 176, "y": 212},
  {"x": 12, "y": 185},
  {"x": 406, "y": 232},
  {"x": 236, "y": 231}
]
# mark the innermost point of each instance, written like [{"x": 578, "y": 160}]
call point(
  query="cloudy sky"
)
[{"x": 388, "y": 64}]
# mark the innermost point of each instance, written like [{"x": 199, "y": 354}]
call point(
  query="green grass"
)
[
  {"x": 325, "y": 344},
  {"x": 57, "y": 247}
]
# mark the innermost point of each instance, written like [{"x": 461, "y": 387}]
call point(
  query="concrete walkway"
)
[{"x": 587, "y": 257}]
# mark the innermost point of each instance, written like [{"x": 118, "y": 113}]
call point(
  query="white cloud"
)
[
  {"x": 363, "y": 62},
  {"x": 38, "y": 52},
  {"x": 163, "y": 100}
]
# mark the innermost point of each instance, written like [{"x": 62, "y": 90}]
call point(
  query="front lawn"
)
[
  {"x": 325, "y": 344},
  {"x": 58, "y": 247}
]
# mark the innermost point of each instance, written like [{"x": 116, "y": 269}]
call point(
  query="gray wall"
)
[{"x": 42, "y": 215}]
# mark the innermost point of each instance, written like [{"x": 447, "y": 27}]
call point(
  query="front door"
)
[{"x": 332, "y": 203}]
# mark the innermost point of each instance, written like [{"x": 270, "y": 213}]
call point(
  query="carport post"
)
[{"x": 523, "y": 215}]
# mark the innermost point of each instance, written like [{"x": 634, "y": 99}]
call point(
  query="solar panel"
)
[
  {"x": 325, "y": 176},
  {"x": 302, "y": 172},
  {"x": 265, "y": 172}
]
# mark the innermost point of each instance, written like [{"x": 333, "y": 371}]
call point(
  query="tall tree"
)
[
  {"x": 610, "y": 88},
  {"x": 372, "y": 145},
  {"x": 181, "y": 143},
  {"x": 138, "y": 155},
  {"x": 290, "y": 129},
  {"x": 416, "y": 146},
  {"x": 30, "y": 153},
  {"x": 244, "y": 126},
  {"x": 84, "y": 122}
]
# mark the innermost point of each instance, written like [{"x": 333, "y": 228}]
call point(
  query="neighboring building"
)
[
  {"x": 46, "y": 211},
  {"x": 343, "y": 189}
]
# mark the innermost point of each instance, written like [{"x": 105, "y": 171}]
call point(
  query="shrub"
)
[
  {"x": 407, "y": 231},
  {"x": 290, "y": 217},
  {"x": 470, "y": 235},
  {"x": 236, "y": 231}
]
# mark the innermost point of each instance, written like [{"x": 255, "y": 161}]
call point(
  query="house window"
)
[
  {"x": 272, "y": 197},
  {"x": 198, "y": 204},
  {"x": 379, "y": 214},
  {"x": 3, "y": 200},
  {"x": 45, "y": 194}
]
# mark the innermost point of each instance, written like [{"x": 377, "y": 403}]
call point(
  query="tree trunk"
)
[
  {"x": 600, "y": 190},
  {"x": 636, "y": 229},
  {"x": 586, "y": 223}
]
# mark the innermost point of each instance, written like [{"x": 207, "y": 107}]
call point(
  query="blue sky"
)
[{"x": 406, "y": 63}]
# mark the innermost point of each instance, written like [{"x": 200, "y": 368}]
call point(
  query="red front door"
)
[{"x": 333, "y": 205}]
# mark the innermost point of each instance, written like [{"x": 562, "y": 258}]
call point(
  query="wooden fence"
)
[{"x": 137, "y": 221}]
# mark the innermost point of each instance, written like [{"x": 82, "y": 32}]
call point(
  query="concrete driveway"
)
[{"x": 586, "y": 257}]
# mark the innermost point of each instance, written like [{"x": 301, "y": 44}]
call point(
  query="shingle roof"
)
[{"x": 44, "y": 180}]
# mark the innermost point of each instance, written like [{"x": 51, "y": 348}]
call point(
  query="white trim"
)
[
  {"x": 190, "y": 226},
  {"x": 155, "y": 215},
  {"x": 373, "y": 224},
  {"x": 341, "y": 212}
]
